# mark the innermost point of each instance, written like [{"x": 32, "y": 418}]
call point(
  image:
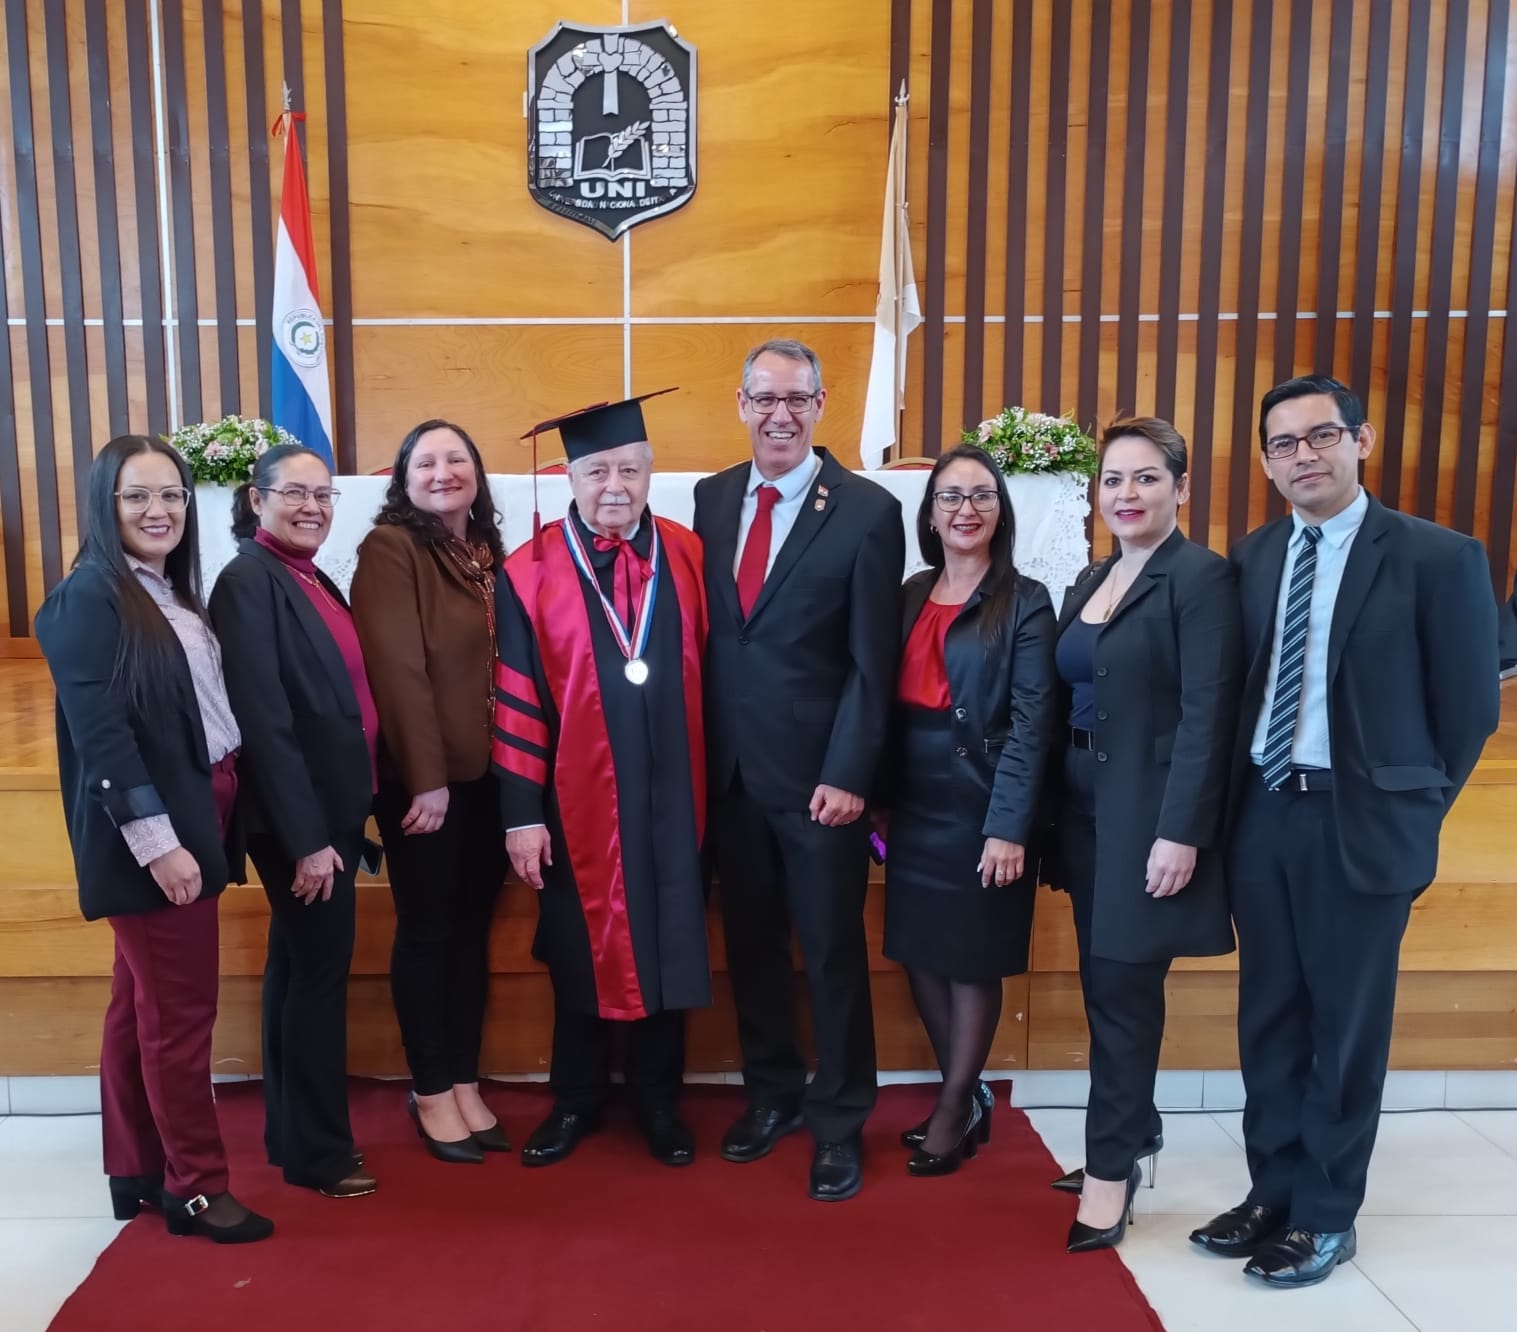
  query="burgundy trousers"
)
[{"x": 157, "y": 1107}]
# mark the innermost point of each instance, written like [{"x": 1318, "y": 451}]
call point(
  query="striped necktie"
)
[{"x": 1281, "y": 734}]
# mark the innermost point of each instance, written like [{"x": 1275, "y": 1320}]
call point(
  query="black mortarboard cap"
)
[{"x": 605, "y": 425}]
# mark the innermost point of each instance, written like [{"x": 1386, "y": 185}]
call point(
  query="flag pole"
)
[{"x": 902, "y": 239}]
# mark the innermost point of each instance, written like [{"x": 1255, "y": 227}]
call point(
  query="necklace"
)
[
  {"x": 316, "y": 583},
  {"x": 1112, "y": 597},
  {"x": 473, "y": 566}
]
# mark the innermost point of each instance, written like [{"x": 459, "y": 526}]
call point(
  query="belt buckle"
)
[{"x": 196, "y": 1205}]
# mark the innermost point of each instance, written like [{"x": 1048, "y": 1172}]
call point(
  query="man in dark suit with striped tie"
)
[{"x": 1371, "y": 688}]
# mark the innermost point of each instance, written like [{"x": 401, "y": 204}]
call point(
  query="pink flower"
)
[{"x": 987, "y": 428}]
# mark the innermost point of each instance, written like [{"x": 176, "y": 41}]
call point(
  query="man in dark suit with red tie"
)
[
  {"x": 1371, "y": 688},
  {"x": 803, "y": 564}
]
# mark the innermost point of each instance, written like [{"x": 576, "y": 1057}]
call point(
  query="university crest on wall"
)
[{"x": 611, "y": 124}]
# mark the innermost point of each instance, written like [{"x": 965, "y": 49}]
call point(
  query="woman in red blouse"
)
[{"x": 974, "y": 725}]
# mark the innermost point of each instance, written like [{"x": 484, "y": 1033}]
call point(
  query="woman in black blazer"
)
[
  {"x": 296, "y": 678},
  {"x": 1149, "y": 656},
  {"x": 973, "y": 725},
  {"x": 147, "y": 762}
]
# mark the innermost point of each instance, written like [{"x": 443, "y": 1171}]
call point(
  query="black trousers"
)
[
  {"x": 305, "y": 1018},
  {"x": 445, "y": 885},
  {"x": 780, "y": 870},
  {"x": 584, "y": 1047},
  {"x": 1317, "y": 970},
  {"x": 1124, "y": 1001}
]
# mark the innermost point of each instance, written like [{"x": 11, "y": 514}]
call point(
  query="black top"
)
[{"x": 1075, "y": 656}]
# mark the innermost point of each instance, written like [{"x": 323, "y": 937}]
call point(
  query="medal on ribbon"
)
[{"x": 632, "y": 645}]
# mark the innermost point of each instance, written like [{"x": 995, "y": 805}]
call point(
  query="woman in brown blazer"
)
[{"x": 423, "y": 601}]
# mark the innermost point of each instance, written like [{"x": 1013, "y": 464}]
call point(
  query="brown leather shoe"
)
[{"x": 354, "y": 1186}]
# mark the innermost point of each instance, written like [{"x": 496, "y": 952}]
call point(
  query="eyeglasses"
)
[
  {"x": 952, "y": 500},
  {"x": 798, "y": 403},
  {"x": 1319, "y": 437},
  {"x": 295, "y": 496},
  {"x": 136, "y": 499}
]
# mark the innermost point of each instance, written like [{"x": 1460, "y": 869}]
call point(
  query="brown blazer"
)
[{"x": 428, "y": 652}]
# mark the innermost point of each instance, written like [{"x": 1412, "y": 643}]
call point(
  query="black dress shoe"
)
[
  {"x": 187, "y": 1216},
  {"x": 756, "y": 1131},
  {"x": 1302, "y": 1257},
  {"x": 924, "y": 1163},
  {"x": 558, "y": 1135},
  {"x": 129, "y": 1192},
  {"x": 1239, "y": 1231},
  {"x": 355, "y": 1185},
  {"x": 492, "y": 1139},
  {"x": 669, "y": 1140},
  {"x": 913, "y": 1137},
  {"x": 462, "y": 1151},
  {"x": 1074, "y": 1181},
  {"x": 1087, "y": 1239},
  {"x": 835, "y": 1171}
]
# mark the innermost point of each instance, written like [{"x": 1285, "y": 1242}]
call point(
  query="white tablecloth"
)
[{"x": 1051, "y": 513}]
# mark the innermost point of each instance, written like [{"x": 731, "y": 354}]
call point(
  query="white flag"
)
[{"x": 893, "y": 321}]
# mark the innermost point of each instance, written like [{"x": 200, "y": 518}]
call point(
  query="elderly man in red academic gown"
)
[{"x": 599, "y": 750}]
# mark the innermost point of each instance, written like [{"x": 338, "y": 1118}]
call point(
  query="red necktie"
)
[
  {"x": 755, "y": 562},
  {"x": 626, "y": 577}
]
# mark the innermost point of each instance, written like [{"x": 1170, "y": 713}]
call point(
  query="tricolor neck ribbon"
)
[{"x": 632, "y": 645}]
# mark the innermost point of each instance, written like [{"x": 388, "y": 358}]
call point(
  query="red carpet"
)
[{"x": 610, "y": 1239}]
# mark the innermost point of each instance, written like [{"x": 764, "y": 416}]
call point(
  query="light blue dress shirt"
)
[
  {"x": 793, "y": 486},
  {"x": 1312, "y": 746}
]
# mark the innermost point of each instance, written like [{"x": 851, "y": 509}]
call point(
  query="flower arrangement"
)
[
  {"x": 224, "y": 451},
  {"x": 1022, "y": 441}
]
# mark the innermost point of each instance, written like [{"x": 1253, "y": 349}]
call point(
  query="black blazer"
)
[
  {"x": 800, "y": 693},
  {"x": 1004, "y": 706},
  {"x": 1413, "y": 686},
  {"x": 305, "y": 776},
  {"x": 1168, "y": 668},
  {"x": 116, "y": 765}
]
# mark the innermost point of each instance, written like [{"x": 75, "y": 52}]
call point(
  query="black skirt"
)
[{"x": 939, "y": 917}]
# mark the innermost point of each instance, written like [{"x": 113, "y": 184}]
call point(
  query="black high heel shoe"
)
[
  {"x": 925, "y": 1163},
  {"x": 465, "y": 1151},
  {"x": 129, "y": 1192},
  {"x": 1074, "y": 1181},
  {"x": 1086, "y": 1239},
  {"x": 913, "y": 1137},
  {"x": 186, "y": 1216}
]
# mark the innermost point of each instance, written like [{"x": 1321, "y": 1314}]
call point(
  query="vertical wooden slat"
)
[
  {"x": 1478, "y": 301},
  {"x": 1504, "y": 469},
  {"x": 1093, "y": 250},
  {"x": 1053, "y": 211},
  {"x": 29, "y": 228},
  {"x": 260, "y": 209},
  {"x": 186, "y": 298},
  {"x": 1371, "y": 175},
  {"x": 346, "y": 443},
  {"x": 1334, "y": 153},
  {"x": 981, "y": 20},
  {"x": 18, "y": 612},
  {"x": 900, "y": 56},
  {"x": 139, "y": 68},
  {"x": 940, "y": 75},
  {"x": 1255, "y": 167},
  {"x": 1172, "y": 229},
  {"x": 221, "y": 209},
  {"x": 70, "y": 264},
  {"x": 1399, "y": 357},
  {"x": 97, "y": 43},
  {"x": 1016, "y": 203},
  {"x": 1441, "y": 262},
  {"x": 1130, "y": 296},
  {"x": 1208, "y": 305}
]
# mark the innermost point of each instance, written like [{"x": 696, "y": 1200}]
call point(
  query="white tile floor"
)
[{"x": 1436, "y": 1236}]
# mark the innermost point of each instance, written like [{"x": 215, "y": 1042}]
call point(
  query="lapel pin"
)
[
  {"x": 820, "y": 505},
  {"x": 822, "y": 491}
]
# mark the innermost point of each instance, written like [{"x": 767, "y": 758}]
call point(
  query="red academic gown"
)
[{"x": 615, "y": 770}]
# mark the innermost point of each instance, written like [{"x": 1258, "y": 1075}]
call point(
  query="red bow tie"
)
[{"x": 627, "y": 580}]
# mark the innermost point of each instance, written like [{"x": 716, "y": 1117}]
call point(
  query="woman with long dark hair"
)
[
  {"x": 295, "y": 675},
  {"x": 1149, "y": 658},
  {"x": 424, "y": 603},
  {"x": 147, "y": 750},
  {"x": 974, "y": 723}
]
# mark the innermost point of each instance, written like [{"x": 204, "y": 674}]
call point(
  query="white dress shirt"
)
[
  {"x": 1312, "y": 746},
  {"x": 793, "y": 486}
]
